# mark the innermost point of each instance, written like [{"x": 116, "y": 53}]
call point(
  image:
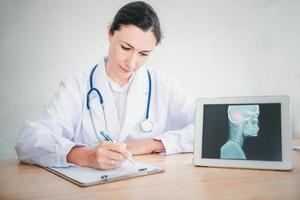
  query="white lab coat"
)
[{"x": 67, "y": 123}]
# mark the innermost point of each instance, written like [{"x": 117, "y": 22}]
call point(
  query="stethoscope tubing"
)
[{"x": 93, "y": 89}]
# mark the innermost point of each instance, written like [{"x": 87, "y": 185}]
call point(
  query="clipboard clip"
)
[
  {"x": 143, "y": 169},
  {"x": 104, "y": 177}
]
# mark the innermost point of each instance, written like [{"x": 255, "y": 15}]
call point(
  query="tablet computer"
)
[{"x": 243, "y": 132}]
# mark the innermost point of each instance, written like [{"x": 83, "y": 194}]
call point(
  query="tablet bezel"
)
[{"x": 286, "y": 136}]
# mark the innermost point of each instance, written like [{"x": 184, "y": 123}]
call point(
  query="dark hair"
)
[{"x": 139, "y": 14}]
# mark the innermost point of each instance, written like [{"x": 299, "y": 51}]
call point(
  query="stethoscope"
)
[{"x": 146, "y": 125}]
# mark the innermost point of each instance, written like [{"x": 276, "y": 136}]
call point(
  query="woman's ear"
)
[{"x": 109, "y": 33}]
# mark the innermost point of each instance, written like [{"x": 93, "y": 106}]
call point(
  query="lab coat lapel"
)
[
  {"x": 136, "y": 103},
  {"x": 101, "y": 82}
]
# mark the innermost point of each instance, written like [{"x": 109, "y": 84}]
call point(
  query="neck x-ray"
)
[
  {"x": 242, "y": 132},
  {"x": 243, "y": 123}
]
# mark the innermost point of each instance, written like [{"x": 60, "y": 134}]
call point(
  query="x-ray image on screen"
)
[
  {"x": 242, "y": 132},
  {"x": 242, "y": 123}
]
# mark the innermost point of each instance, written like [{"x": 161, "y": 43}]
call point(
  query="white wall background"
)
[{"x": 214, "y": 47}]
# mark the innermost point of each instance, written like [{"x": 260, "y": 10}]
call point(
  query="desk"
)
[{"x": 181, "y": 180}]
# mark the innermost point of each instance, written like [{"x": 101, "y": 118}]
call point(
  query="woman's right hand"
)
[{"x": 106, "y": 155}]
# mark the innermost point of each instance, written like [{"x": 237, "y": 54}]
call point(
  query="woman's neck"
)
[{"x": 119, "y": 80}]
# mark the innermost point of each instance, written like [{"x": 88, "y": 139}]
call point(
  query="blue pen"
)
[{"x": 108, "y": 138}]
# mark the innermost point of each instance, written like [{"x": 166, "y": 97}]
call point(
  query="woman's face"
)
[{"x": 129, "y": 49}]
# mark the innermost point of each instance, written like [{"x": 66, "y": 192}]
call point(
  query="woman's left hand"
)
[{"x": 145, "y": 146}]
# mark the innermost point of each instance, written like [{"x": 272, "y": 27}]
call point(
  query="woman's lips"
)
[{"x": 124, "y": 69}]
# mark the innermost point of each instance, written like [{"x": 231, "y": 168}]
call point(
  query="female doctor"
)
[{"x": 142, "y": 110}]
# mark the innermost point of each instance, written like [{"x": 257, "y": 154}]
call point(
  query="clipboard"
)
[{"x": 85, "y": 176}]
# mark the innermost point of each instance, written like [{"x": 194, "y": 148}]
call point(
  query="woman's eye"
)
[
  {"x": 143, "y": 54},
  {"x": 125, "y": 48}
]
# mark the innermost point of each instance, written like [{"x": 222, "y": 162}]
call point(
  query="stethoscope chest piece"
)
[{"x": 147, "y": 126}]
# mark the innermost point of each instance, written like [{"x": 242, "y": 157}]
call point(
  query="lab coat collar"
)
[{"x": 117, "y": 88}]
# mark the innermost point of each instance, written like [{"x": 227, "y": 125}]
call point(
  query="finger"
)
[
  {"x": 104, "y": 154},
  {"x": 109, "y": 166},
  {"x": 113, "y": 155},
  {"x": 115, "y": 146},
  {"x": 105, "y": 163},
  {"x": 120, "y": 147},
  {"x": 113, "y": 162}
]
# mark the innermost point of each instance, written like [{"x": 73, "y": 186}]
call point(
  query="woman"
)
[{"x": 145, "y": 110}]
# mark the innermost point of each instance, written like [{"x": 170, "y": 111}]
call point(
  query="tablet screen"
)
[{"x": 242, "y": 132}]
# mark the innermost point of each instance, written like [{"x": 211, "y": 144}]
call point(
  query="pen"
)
[{"x": 108, "y": 138}]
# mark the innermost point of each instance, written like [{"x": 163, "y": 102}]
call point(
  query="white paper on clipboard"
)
[{"x": 85, "y": 176}]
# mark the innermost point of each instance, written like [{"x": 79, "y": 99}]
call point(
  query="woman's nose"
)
[{"x": 132, "y": 61}]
